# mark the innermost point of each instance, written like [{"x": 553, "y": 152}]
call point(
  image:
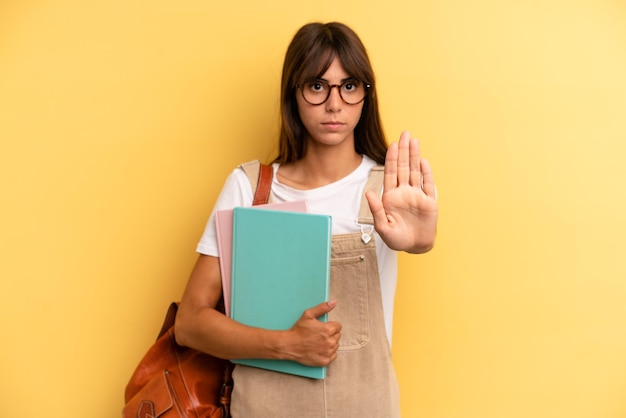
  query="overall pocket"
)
[{"x": 348, "y": 286}]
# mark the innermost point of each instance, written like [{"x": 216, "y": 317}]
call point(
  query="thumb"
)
[
  {"x": 321, "y": 309},
  {"x": 376, "y": 206}
]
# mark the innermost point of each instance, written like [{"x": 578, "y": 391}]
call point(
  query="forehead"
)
[
  {"x": 335, "y": 72},
  {"x": 323, "y": 64}
]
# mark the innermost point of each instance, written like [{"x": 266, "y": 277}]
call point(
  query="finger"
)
[
  {"x": 428, "y": 185},
  {"x": 391, "y": 167},
  {"x": 330, "y": 359},
  {"x": 334, "y": 329},
  {"x": 416, "y": 178},
  {"x": 321, "y": 309},
  {"x": 403, "y": 158},
  {"x": 338, "y": 327},
  {"x": 377, "y": 209}
]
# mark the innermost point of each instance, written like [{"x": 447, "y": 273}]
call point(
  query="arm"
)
[
  {"x": 201, "y": 326},
  {"x": 406, "y": 215}
]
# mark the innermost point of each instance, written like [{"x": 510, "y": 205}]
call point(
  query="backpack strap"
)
[
  {"x": 260, "y": 177},
  {"x": 375, "y": 184}
]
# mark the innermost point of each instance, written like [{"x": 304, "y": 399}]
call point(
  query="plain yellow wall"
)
[{"x": 119, "y": 121}]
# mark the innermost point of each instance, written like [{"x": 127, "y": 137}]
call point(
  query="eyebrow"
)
[{"x": 342, "y": 81}]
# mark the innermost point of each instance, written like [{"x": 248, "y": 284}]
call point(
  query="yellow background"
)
[{"x": 119, "y": 121}]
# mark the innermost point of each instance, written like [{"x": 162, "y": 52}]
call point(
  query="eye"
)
[
  {"x": 317, "y": 86},
  {"x": 350, "y": 86}
]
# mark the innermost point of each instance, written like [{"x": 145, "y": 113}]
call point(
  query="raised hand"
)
[{"x": 406, "y": 215}]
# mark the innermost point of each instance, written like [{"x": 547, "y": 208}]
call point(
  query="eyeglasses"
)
[{"x": 316, "y": 92}]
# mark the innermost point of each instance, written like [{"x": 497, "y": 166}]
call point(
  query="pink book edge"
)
[{"x": 224, "y": 229}]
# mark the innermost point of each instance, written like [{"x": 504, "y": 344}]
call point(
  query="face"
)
[{"x": 332, "y": 122}]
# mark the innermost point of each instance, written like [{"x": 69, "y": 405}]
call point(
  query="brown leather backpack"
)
[{"x": 174, "y": 381}]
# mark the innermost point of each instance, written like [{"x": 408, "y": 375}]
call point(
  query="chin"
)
[{"x": 332, "y": 138}]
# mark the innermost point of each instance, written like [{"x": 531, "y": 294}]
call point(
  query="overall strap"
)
[
  {"x": 375, "y": 184},
  {"x": 260, "y": 177}
]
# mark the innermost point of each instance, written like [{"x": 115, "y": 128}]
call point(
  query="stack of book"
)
[{"x": 275, "y": 263}]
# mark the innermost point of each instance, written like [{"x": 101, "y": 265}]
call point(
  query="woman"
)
[{"x": 330, "y": 140}]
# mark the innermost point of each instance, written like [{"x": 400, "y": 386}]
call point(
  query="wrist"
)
[{"x": 275, "y": 344}]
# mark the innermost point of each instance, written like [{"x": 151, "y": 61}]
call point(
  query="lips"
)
[{"x": 333, "y": 124}]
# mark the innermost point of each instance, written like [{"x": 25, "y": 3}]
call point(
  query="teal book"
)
[{"x": 280, "y": 268}]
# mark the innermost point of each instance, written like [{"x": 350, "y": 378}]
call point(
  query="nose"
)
[{"x": 334, "y": 101}]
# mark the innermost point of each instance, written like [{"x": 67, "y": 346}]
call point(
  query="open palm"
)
[{"x": 406, "y": 215}]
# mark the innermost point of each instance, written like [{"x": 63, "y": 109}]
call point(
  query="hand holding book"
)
[{"x": 314, "y": 343}]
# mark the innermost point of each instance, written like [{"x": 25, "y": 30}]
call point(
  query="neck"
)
[{"x": 319, "y": 167}]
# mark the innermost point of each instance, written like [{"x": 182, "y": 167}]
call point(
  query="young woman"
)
[{"x": 330, "y": 140}]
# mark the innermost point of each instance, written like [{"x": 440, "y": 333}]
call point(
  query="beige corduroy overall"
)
[{"x": 361, "y": 382}]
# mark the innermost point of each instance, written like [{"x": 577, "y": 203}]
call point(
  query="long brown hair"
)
[{"x": 310, "y": 53}]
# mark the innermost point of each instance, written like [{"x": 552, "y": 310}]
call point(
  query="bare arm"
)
[{"x": 201, "y": 326}]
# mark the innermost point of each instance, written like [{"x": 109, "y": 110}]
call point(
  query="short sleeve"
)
[{"x": 235, "y": 192}]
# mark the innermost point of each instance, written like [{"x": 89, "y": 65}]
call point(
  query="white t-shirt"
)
[{"x": 341, "y": 200}]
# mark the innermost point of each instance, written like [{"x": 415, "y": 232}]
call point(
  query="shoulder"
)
[
  {"x": 236, "y": 191},
  {"x": 368, "y": 163},
  {"x": 368, "y": 168},
  {"x": 247, "y": 172}
]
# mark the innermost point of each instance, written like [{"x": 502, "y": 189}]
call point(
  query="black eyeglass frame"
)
[{"x": 367, "y": 86}]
